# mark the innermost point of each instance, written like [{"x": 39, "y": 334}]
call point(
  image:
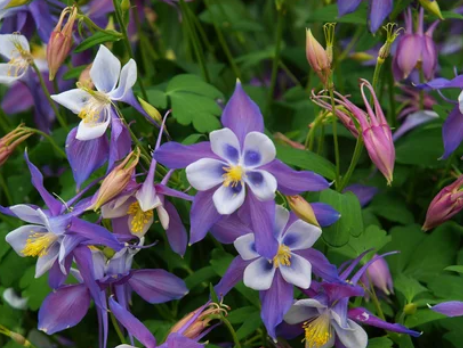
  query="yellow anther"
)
[
  {"x": 92, "y": 111},
  {"x": 233, "y": 175},
  {"x": 38, "y": 244},
  {"x": 318, "y": 331},
  {"x": 140, "y": 218},
  {"x": 283, "y": 256}
]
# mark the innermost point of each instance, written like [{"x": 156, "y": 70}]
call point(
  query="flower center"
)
[
  {"x": 38, "y": 244},
  {"x": 140, "y": 217},
  {"x": 318, "y": 331},
  {"x": 92, "y": 112},
  {"x": 20, "y": 59},
  {"x": 233, "y": 175},
  {"x": 283, "y": 256}
]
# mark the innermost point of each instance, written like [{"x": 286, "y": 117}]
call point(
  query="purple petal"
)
[
  {"x": 17, "y": 99},
  {"x": 64, "y": 308},
  {"x": 242, "y": 115},
  {"x": 262, "y": 219},
  {"x": 120, "y": 141},
  {"x": 176, "y": 340},
  {"x": 363, "y": 316},
  {"x": 95, "y": 234},
  {"x": 429, "y": 57},
  {"x": 326, "y": 215},
  {"x": 129, "y": 98},
  {"x": 176, "y": 233},
  {"x": 132, "y": 324},
  {"x": 320, "y": 264},
  {"x": 229, "y": 228},
  {"x": 364, "y": 193},
  {"x": 292, "y": 182},
  {"x": 442, "y": 83},
  {"x": 203, "y": 215},
  {"x": 56, "y": 277},
  {"x": 337, "y": 290},
  {"x": 276, "y": 302},
  {"x": 379, "y": 10},
  {"x": 232, "y": 276},
  {"x": 167, "y": 191},
  {"x": 450, "y": 309},
  {"x": 347, "y": 6},
  {"x": 176, "y": 156},
  {"x": 55, "y": 206},
  {"x": 452, "y": 132},
  {"x": 85, "y": 156},
  {"x": 414, "y": 120},
  {"x": 157, "y": 285}
]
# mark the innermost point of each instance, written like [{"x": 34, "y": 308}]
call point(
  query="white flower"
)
[{"x": 16, "y": 49}]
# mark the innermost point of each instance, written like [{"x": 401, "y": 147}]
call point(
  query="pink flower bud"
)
[
  {"x": 10, "y": 141},
  {"x": 447, "y": 203},
  {"x": 378, "y": 273},
  {"x": 317, "y": 57},
  {"x": 302, "y": 209},
  {"x": 284, "y": 139},
  {"x": 84, "y": 79},
  {"x": 61, "y": 41}
]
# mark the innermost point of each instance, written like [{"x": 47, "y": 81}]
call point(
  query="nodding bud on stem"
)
[
  {"x": 10, "y": 141},
  {"x": 432, "y": 6},
  {"x": 116, "y": 181},
  {"x": 302, "y": 209},
  {"x": 318, "y": 58},
  {"x": 151, "y": 110},
  {"x": 379, "y": 275},
  {"x": 392, "y": 32},
  {"x": 447, "y": 203},
  {"x": 61, "y": 41}
]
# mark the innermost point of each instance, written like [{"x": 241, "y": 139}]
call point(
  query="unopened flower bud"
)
[
  {"x": 410, "y": 308},
  {"x": 117, "y": 180},
  {"x": 19, "y": 339},
  {"x": 378, "y": 273},
  {"x": 151, "y": 110},
  {"x": 284, "y": 139},
  {"x": 318, "y": 58},
  {"x": 61, "y": 41},
  {"x": 447, "y": 203},
  {"x": 432, "y": 6},
  {"x": 16, "y": 3},
  {"x": 391, "y": 34},
  {"x": 10, "y": 141},
  {"x": 125, "y": 5},
  {"x": 302, "y": 209},
  {"x": 85, "y": 79}
]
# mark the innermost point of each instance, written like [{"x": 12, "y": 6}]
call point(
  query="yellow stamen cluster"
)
[
  {"x": 283, "y": 256},
  {"x": 38, "y": 244},
  {"x": 20, "y": 59},
  {"x": 233, "y": 175},
  {"x": 140, "y": 217},
  {"x": 91, "y": 113},
  {"x": 317, "y": 332}
]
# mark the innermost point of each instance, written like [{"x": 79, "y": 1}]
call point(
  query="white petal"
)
[
  {"x": 299, "y": 273},
  {"x": 18, "y": 238},
  {"x": 8, "y": 42},
  {"x": 281, "y": 220},
  {"x": 74, "y": 100},
  {"x": 147, "y": 197},
  {"x": 354, "y": 337},
  {"x": 9, "y": 73},
  {"x": 225, "y": 144},
  {"x": 259, "y": 274},
  {"x": 14, "y": 300},
  {"x": 258, "y": 150},
  {"x": 205, "y": 173},
  {"x": 27, "y": 213},
  {"x": 228, "y": 199},
  {"x": 262, "y": 183},
  {"x": 301, "y": 235},
  {"x": 303, "y": 310},
  {"x": 89, "y": 131},
  {"x": 460, "y": 101},
  {"x": 105, "y": 70},
  {"x": 127, "y": 80},
  {"x": 45, "y": 262},
  {"x": 163, "y": 217},
  {"x": 245, "y": 245},
  {"x": 116, "y": 208}
]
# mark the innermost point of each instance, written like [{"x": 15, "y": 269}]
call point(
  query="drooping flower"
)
[
  {"x": 415, "y": 50},
  {"x": 379, "y": 275},
  {"x": 15, "y": 48},
  {"x": 379, "y": 10},
  {"x": 237, "y": 168},
  {"x": 292, "y": 265}
]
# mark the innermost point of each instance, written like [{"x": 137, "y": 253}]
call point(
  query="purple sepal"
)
[
  {"x": 262, "y": 216},
  {"x": 232, "y": 276},
  {"x": 414, "y": 120},
  {"x": 55, "y": 206},
  {"x": 292, "y": 182},
  {"x": 17, "y": 99},
  {"x": 129, "y": 98},
  {"x": 203, "y": 215},
  {"x": 379, "y": 10},
  {"x": 176, "y": 340},
  {"x": 176, "y": 232},
  {"x": 363, "y": 316},
  {"x": 288, "y": 331},
  {"x": 176, "y": 156},
  {"x": 157, "y": 285},
  {"x": 95, "y": 234},
  {"x": 229, "y": 228},
  {"x": 347, "y": 6},
  {"x": 452, "y": 132},
  {"x": 364, "y": 193},
  {"x": 442, "y": 83},
  {"x": 242, "y": 115},
  {"x": 337, "y": 290},
  {"x": 450, "y": 309},
  {"x": 85, "y": 156},
  {"x": 64, "y": 308},
  {"x": 321, "y": 266},
  {"x": 276, "y": 302},
  {"x": 167, "y": 191},
  {"x": 132, "y": 324},
  {"x": 326, "y": 215},
  {"x": 56, "y": 277},
  {"x": 120, "y": 141}
]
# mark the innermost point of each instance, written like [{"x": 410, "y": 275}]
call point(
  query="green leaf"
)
[
  {"x": 448, "y": 287},
  {"x": 241, "y": 314},
  {"x": 250, "y": 325},
  {"x": 372, "y": 237},
  {"x": 306, "y": 160},
  {"x": 380, "y": 342},
  {"x": 35, "y": 289},
  {"x": 96, "y": 39},
  {"x": 350, "y": 223},
  {"x": 456, "y": 268},
  {"x": 392, "y": 208},
  {"x": 422, "y": 316},
  {"x": 330, "y": 14},
  {"x": 157, "y": 98},
  {"x": 214, "y": 297},
  {"x": 74, "y": 73},
  {"x": 200, "y": 276},
  {"x": 409, "y": 287}
]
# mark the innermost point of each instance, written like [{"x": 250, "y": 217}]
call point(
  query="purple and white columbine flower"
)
[
  {"x": 15, "y": 48},
  {"x": 237, "y": 156}
]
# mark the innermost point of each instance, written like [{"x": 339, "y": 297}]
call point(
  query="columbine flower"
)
[
  {"x": 378, "y": 273},
  {"x": 237, "y": 168},
  {"x": 292, "y": 264},
  {"x": 317, "y": 57},
  {"x": 379, "y": 10},
  {"x": 415, "y": 49},
  {"x": 10, "y": 141},
  {"x": 15, "y": 48}
]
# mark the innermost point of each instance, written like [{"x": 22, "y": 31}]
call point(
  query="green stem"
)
[
  {"x": 392, "y": 110},
  {"x": 291, "y": 75},
  {"x": 4, "y": 121},
  {"x": 276, "y": 59},
  {"x": 5, "y": 189},
  {"x": 50, "y": 139},
  {"x": 335, "y": 137},
  {"x": 353, "y": 163},
  {"x": 232, "y": 331},
  {"x": 126, "y": 40},
  {"x": 60, "y": 118},
  {"x": 376, "y": 301},
  {"x": 376, "y": 74},
  {"x": 117, "y": 328},
  {"x": 309, "y": 142}
]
